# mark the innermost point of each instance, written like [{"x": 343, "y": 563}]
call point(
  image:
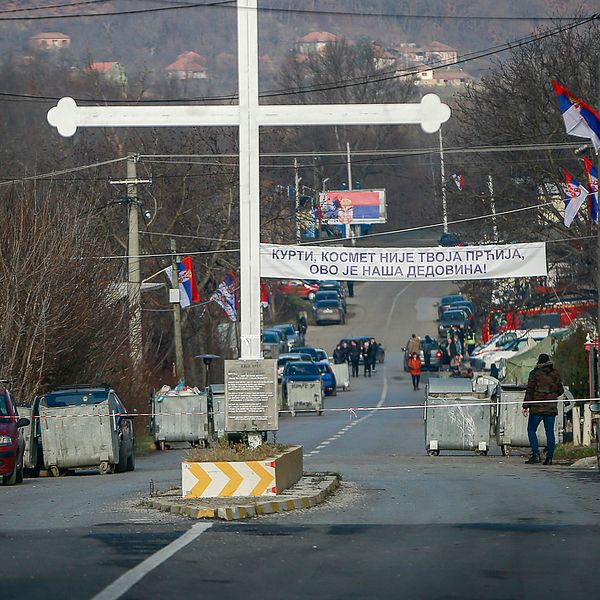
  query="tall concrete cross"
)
[{"x": 248, "y": 115}]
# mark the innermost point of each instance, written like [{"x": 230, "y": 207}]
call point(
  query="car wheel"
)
[
  {"x": 12, "y": 478},
  {"x": 121, "y": 466}
]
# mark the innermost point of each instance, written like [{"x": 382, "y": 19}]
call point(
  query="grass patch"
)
[
  {"x": 570, "y": 452},
  {"x": 144, "y": 444},
  {"x": 230, "y": 452}
]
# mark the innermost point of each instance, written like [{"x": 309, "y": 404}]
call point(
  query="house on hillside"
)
[
  {"x": 315, "y": 41},
  {"x": 188, "y": 65},
  {"x": 383, "y": 58},
  {"x": 111, "y": 71},
  {"x": 50, "y": 40},
  {"x": 436, "y": 52},
  {"x": 454, "y": 78}
]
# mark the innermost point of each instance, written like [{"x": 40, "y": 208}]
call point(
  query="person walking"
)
[
  {"x": 540, "y": 405},
  {"x": 350, "y": 288},
  {"x": 339, "y": 355},
  {"x": 427, "y": 346},
  {"x": 414, "y": 367},
  {"x": 471, "y": 342},
  {"x": 413, "y": 345},
  {"x": 366, "y": 356},
  {"x": 354, "y": 357},
  {"x": 373, "y": 350}
]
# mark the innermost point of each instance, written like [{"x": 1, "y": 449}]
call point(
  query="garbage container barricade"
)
[
  {"x": 511, "y": 424},
  {"x": 305, "y": 396},
  {"x": 79, "y": 436},
  {"x": 31, "y": 438},
  {"x": 456, "y": 417},
  {"x": 342, "y": 376},
  {"x": 179, "y": 416}
]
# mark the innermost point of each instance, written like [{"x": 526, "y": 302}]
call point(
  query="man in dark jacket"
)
[
  {"x": 543, "y": 389},
  {"x": 355, "y": 352},
  {"x": 339, "y": 355},
  {"x": 373, "y": 351}
]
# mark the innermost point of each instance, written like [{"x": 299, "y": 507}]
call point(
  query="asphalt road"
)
[{"x": 404, "y": 525}]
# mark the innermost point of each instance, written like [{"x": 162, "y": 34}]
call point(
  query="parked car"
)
[
  {"x": 271, "y": 344},
  {"x": 361, "y": 340},
  {"x": 308, "y": 350},
  {"x": 299, "y": 371},
  {"x": 329, "y": 311},
  {"x": 332, "y": 284},
  {"x": 284, "y": 359},
  {"x": 293, "y": 336},
  {"x": 321, "y": 355},
  {"x": 81, "y": 396},
  {"x": 331, "y": 295},
  {"x": 504, "y": 337},
  {"x": 12, "y": 442},
  {"x": 468, "y": 307},
  {"x": 508, "y": 350},
  {"x": 446, "y": 301},
  {"x": 435, "y": 355},
  {"x": 328, "y": 377},
  {"x": 298, "y": 287},
  {"x": 450, "y": 239},
  {"x": 451, "y": 319},
  {"x": 283, "y": 343}
]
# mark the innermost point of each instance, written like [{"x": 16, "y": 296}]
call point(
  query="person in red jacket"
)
[{"x": 414, "y": 367}]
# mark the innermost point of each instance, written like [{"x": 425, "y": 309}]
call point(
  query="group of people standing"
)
[{"x": 352, "y": 353}]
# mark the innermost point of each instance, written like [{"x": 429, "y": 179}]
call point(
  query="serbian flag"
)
[
  {"x": 459, "y": 180},
  {"x": 575, "y": 194},
  {"x": 581, "y": 120},
  {"x": 188, "y": 290},
  {"x": 225, "y": 296},
  {"x": 264, "y": 295},
  {"x": 592, "y": 176}
]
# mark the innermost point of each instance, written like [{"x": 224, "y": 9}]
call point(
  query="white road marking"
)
[{"x": 123, "y": 584}]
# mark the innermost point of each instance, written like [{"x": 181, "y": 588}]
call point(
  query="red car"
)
[
  {"x": 12, "y": 443},
  {"x": 298, "y": 287}
]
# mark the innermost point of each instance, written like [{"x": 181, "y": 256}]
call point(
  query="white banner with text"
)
[{"x": 404, "y": 264}]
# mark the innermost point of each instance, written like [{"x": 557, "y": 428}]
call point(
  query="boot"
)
[
  {"x": 548, "y": 460},
  {"x": 534, "y": 459}
]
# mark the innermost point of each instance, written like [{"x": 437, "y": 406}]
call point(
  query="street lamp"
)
[
  {"x": 207, "y": 360},
  {"x": 325, "y": 183}
]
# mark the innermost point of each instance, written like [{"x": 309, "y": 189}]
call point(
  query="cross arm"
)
[
  {"x": 66, "y": 116},
  {"x": 430, "y": 113}
]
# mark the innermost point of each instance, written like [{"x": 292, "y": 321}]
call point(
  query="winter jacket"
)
[
  {"x": 413, "y": 345},
  {"x": 339, "y": 356},
  {"x": 414, "y": 365},
  {"x": 543, "y": 384},
  {"x": 373, "y": 348},
  {"x": 355, "y": 353}
]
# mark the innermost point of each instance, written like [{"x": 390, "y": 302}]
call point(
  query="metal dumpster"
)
[
  {"x": 32, "y": 458},
  {"x": 179, "y": 416},
  {"x": 79, "y": 436},
  {"x": 342, "y": 376},
  {"x": 457, "y": 417},
  {"x": 511, "y": 425},
  {"x": 305, "y": 396}
]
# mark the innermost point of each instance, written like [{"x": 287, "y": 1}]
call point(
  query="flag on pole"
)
[
  {"x": 575, "y": 194},
  {"x": 264, "y": 295},
  {"x": 188, "y": 290},
  {"x": 459, "y": 180},
  {"x": 225, "y": 296},
  {"x": 592, "y": 177},
  {"x": 581, "y": 120}
]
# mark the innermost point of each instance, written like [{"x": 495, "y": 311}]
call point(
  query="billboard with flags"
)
[{"x": 353, "y": 207}]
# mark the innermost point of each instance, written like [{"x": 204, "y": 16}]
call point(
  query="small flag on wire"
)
[
  {"x": 264, "y": 295},
  {"x": 592, "y": 177},
  {"x": 225, "y": 296},
  {"x": 188, "y": 290},
  {"x": 575, "y": 194}
]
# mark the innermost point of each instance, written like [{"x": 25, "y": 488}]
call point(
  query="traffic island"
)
[{"x": 310, "y": 490}]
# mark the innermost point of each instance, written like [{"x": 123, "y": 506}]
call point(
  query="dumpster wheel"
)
[
  {"x": 505, "y": 450},
  {"x": 481, "y": 452},
  {"x": 159, "y": 445},
  {"x": 319, "y": 412},
  {"x": 104, "y": 467},
  {"x": 433, "y": 452},
  {"x": 54, "y": 471}
]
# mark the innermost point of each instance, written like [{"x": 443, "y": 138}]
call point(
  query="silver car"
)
[{"x": 329, "y": 311}]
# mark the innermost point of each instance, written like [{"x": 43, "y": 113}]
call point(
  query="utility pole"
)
[
  {"x": 134, "y": 279},
  {"x": 443, "y": 177},
  {"x": 598, "y": 239},
  {"x": 297, "y": 181},
  {"x": 175, "y": 300},
  {"x": 493, "y": 206}
]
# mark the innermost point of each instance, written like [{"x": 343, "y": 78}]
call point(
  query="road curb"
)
[{"x": 312, "y": 489}]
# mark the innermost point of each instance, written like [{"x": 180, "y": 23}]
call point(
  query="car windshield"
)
[
  {"x": 75, "y": 398},
  {"x": 270, "y": 338},
  {"x": 302, "y": 368},
  {"x": 322, "y": 368},
  {"x": 333, "y": 295},
  {"x": 453, "y": 316},
  {"x": 311, "y": 351},
  {"x": 286, "y": 359},
  {"x": 4, "y": 412},
  {"x": 322, "y": 355},
  {"x": 287, "y": 329},
  {"x": 327, "y": 304},
  {"x": 450, "y": 299}
]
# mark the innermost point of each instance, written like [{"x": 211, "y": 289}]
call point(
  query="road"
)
[{"x": 404, "y": 525}]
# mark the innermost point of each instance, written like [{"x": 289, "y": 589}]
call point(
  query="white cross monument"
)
[{"x": 248, "y": 115}]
